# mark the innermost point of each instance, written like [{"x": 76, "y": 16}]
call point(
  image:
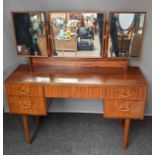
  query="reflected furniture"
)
[
  {"x": 85, "y": 42},
  {"x": 85, "y": 25},
  {"x": 30, "y": 33},
  {"x": 69, "y": 45},
  {"x": 125, "y": 34}
]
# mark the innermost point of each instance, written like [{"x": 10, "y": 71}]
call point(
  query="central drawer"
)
[{"x": 75, "y": 91}]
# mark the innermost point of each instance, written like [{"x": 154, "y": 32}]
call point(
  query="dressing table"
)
[{"x": 122, "y": 88}]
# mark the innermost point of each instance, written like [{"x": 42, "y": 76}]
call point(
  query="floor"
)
[{"x": 76, "y": 134}]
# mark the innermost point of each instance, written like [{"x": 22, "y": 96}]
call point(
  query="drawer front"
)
[
  {"x": 124, "y": 109},
  {"x": 69, "y": 91},
  {"x": 27, "y": 105},
  {"x": 24, "y": 89},
  {"x": 126, "y": 93}
]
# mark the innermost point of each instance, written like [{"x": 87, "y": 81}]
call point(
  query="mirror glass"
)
[
  {"x": 77, "y": 34},
  {"x": 30, "y": 33},
  {"x": 125, "y": 34}
]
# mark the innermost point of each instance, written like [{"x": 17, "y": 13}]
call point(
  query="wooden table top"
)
[{"x": 72, "y": 75}]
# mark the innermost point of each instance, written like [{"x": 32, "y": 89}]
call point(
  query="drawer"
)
[
  {"x": 27, "y": 105},
  {"x": 16, "y": 89},
  {"x": 126, "y": 93},
  {"x": 124, "y": 109},
  {"x": 70, "y": 91}
]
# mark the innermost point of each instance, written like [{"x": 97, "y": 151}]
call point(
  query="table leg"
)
[
  {"x": 126, "y": 133},
  {"x": 26, "y": 128}
]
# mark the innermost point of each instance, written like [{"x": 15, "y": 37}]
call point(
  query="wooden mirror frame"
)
[
  {"x": 103, "y": 45},
  {"x": 108, "y": 33},
  {"x": 46, "y": 33}
]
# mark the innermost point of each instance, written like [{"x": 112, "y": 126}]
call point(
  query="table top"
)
[{"x": 72, "y": 75}]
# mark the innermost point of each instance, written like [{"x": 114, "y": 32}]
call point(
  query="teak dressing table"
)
[
  {"x": 122, "y": 88},
  {"x": 123, "y": 91}
]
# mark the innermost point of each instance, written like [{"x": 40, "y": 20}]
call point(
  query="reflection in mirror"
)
[
  {"x": 126, "y": 32},
  {"x": 77, "y": 34},
  {"x": 30, "y": 33}
]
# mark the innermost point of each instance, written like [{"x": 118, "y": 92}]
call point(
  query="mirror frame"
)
[
  {"x": 108, "y": 34},
  {"x": 15, "y": 37},
  {"x": 103, "y": 52}
]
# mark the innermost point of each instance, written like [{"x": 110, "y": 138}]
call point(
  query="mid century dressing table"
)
[{"x": 122, "y": 88}]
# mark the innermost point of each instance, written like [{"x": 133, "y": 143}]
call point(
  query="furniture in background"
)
[
  {"x": 85, "y": 41},
  {"x": 136, "y": 45},
  {"x": 30, "y": 33},
  {"x": 69, "y": 45},
  {"x": 126, "y": 31}
]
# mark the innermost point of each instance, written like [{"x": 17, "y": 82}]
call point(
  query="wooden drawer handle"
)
[
  {"x": 126, "y": 94},
  {"x": 26, "y": 106},
  {"x": 23, "y": 91},
  {"x": 124, "y": 109}
]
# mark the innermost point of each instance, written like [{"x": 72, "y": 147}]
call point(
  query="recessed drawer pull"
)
[
  {"x": 26, "y": 106},
  {"x": 23, "y": 91},
  {"x": 126, "y": 94},
  {"x": 124, "y": 109}
]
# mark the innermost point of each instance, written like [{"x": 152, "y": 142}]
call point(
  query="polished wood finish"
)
[
  {"x": 27, "y": 105},
  {"x": 75, "y": 91},
  {"x": 24, "y": 89},
  {"x": 26, "y": 98},
  {"x": 26, "y": 129},
  {"x": 123, "y": 91},
  {"x": 126, "y": 133},
  {"x": 126, "y": 93},
  {"x": 70, "y": 75},
  {"x": 80, "y": 62},
  {"x": 124, "y": 109}
]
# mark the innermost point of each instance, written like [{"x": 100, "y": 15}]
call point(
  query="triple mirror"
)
[{"x": 79, "y": 34}]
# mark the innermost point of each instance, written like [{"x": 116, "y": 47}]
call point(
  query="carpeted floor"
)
[{"x": 76, "y": 134}]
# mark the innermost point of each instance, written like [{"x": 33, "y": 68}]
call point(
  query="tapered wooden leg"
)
[
  {"x": 126, "y": 133},
  {"x": 120, "y": 122},
  {"x": 26, "y": 128}
]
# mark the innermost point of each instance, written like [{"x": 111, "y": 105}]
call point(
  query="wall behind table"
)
[{"x": 66, "y": 105}]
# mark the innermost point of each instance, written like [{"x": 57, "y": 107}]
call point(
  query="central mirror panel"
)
[
  {"x": 77, "y": 34},
  {"x": 126, "y": 34}
]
